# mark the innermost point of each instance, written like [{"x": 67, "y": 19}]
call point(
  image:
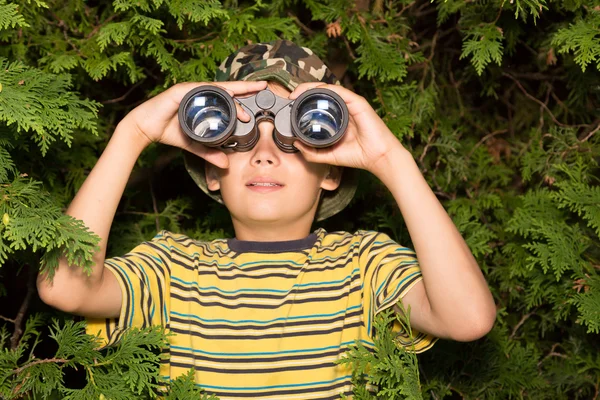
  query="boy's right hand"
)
[{"x": 156, "y": 119}]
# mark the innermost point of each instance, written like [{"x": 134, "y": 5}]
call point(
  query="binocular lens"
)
[
  {"x": 319, "y": 117},
  {"x": 207, "y": 115}
]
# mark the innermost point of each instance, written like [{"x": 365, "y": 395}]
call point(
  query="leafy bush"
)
[{"x": 497, "y": 101}]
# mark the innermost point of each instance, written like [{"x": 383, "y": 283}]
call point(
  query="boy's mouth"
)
[{"x": 264, "y": 183}]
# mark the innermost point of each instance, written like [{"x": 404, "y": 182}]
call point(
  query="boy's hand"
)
[
  {"x": 156, "y": 119},
  {"x": 367, "y": 137}
]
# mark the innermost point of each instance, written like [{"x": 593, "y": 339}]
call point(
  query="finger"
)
[
  {"x": 312, "y": 154},
  {"x": 242, "y": 87},
  {"x": 213, "y": 156},
  {"x": 241, "y": 113},
  {"x": 178, "y": 91},
  {"x": 354, "y": 102},
  {"x": 303, "y": 87}
]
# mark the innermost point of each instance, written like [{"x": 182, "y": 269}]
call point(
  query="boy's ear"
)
[
  {"x": 333, "y": 177},
  {"x": 213, "y": 178}
]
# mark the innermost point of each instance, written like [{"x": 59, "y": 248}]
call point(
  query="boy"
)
[{"x": 266, "y": 314}]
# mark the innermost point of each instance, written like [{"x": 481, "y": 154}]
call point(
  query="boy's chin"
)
[
  {"x": 262, "y": 217},
  {"x": 279, "y": 216}
]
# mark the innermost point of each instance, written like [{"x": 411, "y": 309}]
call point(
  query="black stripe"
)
[
  {"x": 392, "y": 276},
  {"x": 366, "y": 246},
  {"x": 372, "y": 258},
  {"x": 203, "y": 248},
  {"x": 267, "y": 327},
  {"x": 281, "y": 392},
  {"x": 256, "y": 371},
  {"x": 334, "y": 397},
  {"x": 164, "y": 256},
  {"x": 189, "y": 264},
  {"x": 203, "y": 244},
  {"x": 244, "y": 360},
  {"x": 127, "y": 295},
  {"x": 397, "y": 295},
  {"x": 294, "y": 291},
  {"x": 212, "y": 263},
  {"x": 310, "y": 269},
  {"x": 287, "y": 266},
  {"x": 146, "y": 293},
  {"x": 399, "y": 270},
  {"x": 228, "y": 278},
  {"x": 271, "y": 336},
  {"x": 117, "y": 335},
  {"x": 342, "y": 241},
  {"x": 137, "y": 274},
  {"x": 167, "y": 256},
  {"x": 159, "y": 273},
  {"x": 334, "y": 265},
  {"x": 263, "y": 306},
  {"x": 208, "y": 249}
]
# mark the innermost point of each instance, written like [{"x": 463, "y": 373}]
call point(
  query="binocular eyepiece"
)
[{"x": 318, "y": 118}]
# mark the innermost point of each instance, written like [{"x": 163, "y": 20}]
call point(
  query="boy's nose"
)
[{"x": 265, "y": 152}]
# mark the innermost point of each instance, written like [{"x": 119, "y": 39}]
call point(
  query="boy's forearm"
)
[
  {"x": 95, "y": 204},
  {"x": 455, "y": 285}
]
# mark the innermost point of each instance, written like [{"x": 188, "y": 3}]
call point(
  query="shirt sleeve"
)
[
  {"x": 144, "y": 277},
  {"x": 389, "y": 271}
]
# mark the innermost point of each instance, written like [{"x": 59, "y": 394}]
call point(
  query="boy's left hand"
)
[{"x": 367, "y": 139}]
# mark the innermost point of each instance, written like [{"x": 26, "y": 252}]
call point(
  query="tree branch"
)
[
  {"x": 36, "y": 362},
  {"x": 544, "y": 106},
  {"x": 14, "y": 339},
  {"x": 7, "y": 319}
]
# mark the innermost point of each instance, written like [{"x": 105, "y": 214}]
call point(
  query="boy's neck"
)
[{"x": 271, "y": 232}]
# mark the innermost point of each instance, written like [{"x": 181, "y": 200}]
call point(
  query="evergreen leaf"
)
[
  {"x": 484, "y": 44},
  {"x": 582, "y": 38}
]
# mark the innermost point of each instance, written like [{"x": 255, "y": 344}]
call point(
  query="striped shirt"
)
[{"x": 263, "y": 320}]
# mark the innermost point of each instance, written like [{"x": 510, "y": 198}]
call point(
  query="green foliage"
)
[
  {"x": 43, "y": 104},
  {"x": 10, "y": 16},
  {"x": 582, "y": 38},
  {"x": 128, "y": 370},
  {"x": 484, "y": 44},
  {"x": 184, "y": 388},
  {"x": 391, "y": 370},
  {"x": 497, "y": 101},
  {"x": 32, "y": 221}
]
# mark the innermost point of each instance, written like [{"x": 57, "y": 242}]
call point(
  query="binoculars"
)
[{"x": 318, "y": 118}]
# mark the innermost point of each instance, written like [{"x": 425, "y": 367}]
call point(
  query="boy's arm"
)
[
  {"x": 95, "y": 204},
  {"x": 99, "y": 295},
  {"x": 453, "y": 299}
]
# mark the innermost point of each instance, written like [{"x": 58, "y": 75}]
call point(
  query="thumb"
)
[{"x": 310, "y": 154}]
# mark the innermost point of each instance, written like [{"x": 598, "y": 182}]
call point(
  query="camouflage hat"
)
[{"x": 290, "y": 65}]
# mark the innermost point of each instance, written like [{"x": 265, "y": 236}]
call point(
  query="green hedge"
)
[{"x": 499, "y": 102}]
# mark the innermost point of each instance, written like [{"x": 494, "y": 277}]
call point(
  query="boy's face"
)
[{"x": 295, "y": 198}]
